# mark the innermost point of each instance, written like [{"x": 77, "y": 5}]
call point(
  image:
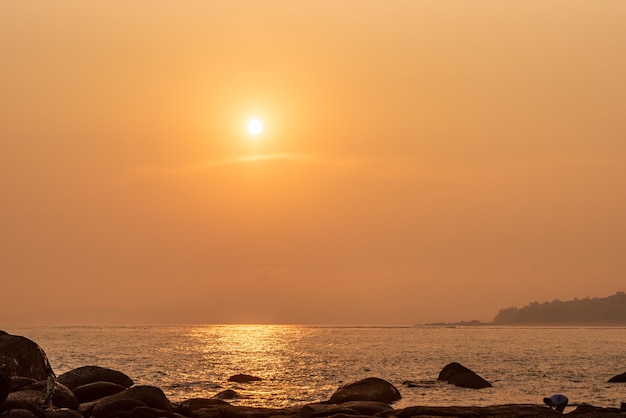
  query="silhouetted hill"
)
[{"x": 577, "y": 311}]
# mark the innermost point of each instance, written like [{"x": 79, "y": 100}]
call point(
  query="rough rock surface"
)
[
  {"x": 350, "y": 408},
  {"x": 368, "y": 389},
  {"x": 22, "y": 357},
  {"x": 31, "y": 400},
  {"x": 188, "y": 406},
  {"x": 149, "y": 395},
  {"x": 96, "y": 390},
  {"x": 5, "y": 386},
  {"x": 459, "y": 375},
  {"x": 91, "y": 374}
]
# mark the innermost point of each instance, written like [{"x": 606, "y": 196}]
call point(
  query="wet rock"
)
[
  {"x": 503, "y": 411},
  {"x": 369, "y": 389},
  {"x": 149, "y": 395},
  {"x": 619, "y": 378},
  {"x": 113, "y": 407},
  {"x": 90, "y": 374},
  {"x": 22, "y": 357},
  {"x": 243, "y": 378},
  {"x": 206, "y": 413},
  {"x": 351, "y": 408},
  {"x": 190, "y": 405},
  {"x": 147, "y": 412},
  {"x": 227, "y": 394},
  {"x": 459, "y": 375},
  {"x": 96, "y": 390}
]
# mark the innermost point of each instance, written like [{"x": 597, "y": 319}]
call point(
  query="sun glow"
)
[{"x": 255, "y": 126}]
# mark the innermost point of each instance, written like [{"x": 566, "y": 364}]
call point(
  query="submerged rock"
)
[
  {"x": 243, "y": 378},
  {"x": 369, "y": 389},
  {"x": 226, "y": 394},
  {"x": 459, "y": 375}
]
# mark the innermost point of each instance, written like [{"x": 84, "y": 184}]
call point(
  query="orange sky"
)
[{"x": 420, "y": 161}]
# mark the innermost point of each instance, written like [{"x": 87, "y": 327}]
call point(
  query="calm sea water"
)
[{"x": 301, "y": 364}]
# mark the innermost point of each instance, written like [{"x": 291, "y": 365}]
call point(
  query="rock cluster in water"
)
[{"x": 97, "y": 392}]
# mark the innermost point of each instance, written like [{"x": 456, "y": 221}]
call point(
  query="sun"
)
[{"x": 255, "y": 126}]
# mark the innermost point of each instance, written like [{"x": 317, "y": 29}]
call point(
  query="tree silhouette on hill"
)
[{"x": 609, "y": 309}]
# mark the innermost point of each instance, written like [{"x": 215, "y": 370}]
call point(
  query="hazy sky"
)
[{"x": 423, "y": 160}]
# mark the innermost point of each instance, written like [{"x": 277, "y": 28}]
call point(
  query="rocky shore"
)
[{"x": 93, "y": 391}]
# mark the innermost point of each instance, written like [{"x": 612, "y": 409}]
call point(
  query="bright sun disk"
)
[{"x": 255, "y": 126}]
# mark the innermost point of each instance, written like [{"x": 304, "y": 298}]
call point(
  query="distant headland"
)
[{"x": 608, "y": 311}]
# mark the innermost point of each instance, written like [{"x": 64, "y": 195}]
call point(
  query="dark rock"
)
[
  {"x": 147, "y": 412},
  {"x": 619, "y": 378},
  {"x": 19, "y": 382},
  {"x": 23, "y": 357},
  {"x": 190, "y": 405},
  {"x": 229, "y": 411},
  {"x": 369, "y": 389},
  {"x": 17, "y": 413},
  {"x": 62, "y": 397},
  {"x": 148, "y": 395},
  {"x": 459, "y": 375},
  {"x": 206, "y": 413},
  {"x": 32, "y": 400},
  {"x": 90, "y": 374},
  {"x": 96, "y": 390},
  {"x": 86, "y": 408},
  {"x": 226, "y": 394},
  {"x": 5, "y": 386},
  {"x": 589, "y": 411},
  {"x": 114, "y": 406},
  {"x": 350, "y": 408},
  {"x": 243, "y": 378},
  {"x": 63, "y": 413},
  {"x": 503, "y": 411}
]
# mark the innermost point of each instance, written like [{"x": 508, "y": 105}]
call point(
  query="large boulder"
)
[
  {"x": 22, "y": 357},
  {"x": 189, "y": 406},
  {"x": 618, "y": 378},
  {"x": 5, "y": 386},
  {"x": 459, "y": 375},
  {"x": 32, "y": 400},
  {"x": 148, "y": 395},
  {"x": 90, "y": 374},
  {"x": 63, "y": 397},
  {"x": 116, "y": 407},
  {"x": 96, "y": 390},
  {"x": 62, "y": 413},
  {"x": 17, "y": 413},
  {"x": 318, "y": 410},
  {"x": 368, "y": 389}
]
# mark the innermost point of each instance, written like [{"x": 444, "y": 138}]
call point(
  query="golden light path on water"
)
[
  {"x": 264, "y": 351},
  {"x": 303, "y": 364}
]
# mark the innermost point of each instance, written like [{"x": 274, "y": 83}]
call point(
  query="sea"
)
[{"x": 304, "y": 364}]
